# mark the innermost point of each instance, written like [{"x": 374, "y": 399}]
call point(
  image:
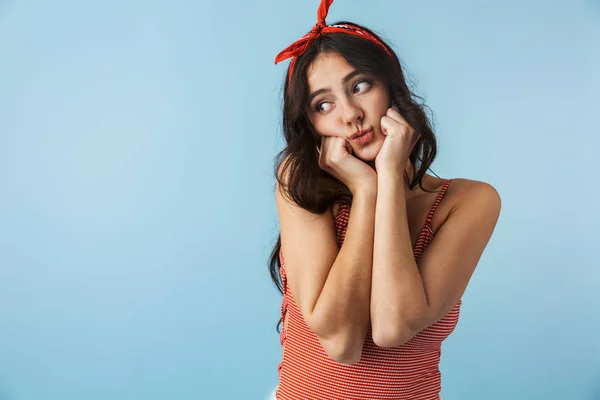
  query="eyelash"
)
[{"x": 368, "y": 81}]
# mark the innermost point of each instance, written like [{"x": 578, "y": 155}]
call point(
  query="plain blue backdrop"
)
[{"x": 136, "y": 192}]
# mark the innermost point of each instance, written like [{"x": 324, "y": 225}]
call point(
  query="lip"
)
[
  {"x": 362, "y": 137},
  {"x": 359, "y": 133}
]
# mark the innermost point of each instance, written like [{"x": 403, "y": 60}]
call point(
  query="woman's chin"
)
[{"x": 368, "y": 153}]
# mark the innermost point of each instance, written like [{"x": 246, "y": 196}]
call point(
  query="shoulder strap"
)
[{"x": 437, "y": 201}]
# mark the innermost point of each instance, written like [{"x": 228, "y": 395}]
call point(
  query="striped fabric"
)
[{"x": 406, "y": 372}]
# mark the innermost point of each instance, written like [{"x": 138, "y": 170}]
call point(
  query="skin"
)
[
  {"x": 406, "y": 296},
  {"x": 348, "y": 107},
  {"x": 356, "y": 102}
]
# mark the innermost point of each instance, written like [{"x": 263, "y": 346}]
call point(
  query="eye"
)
[
  {"x": 365, "y": 84},
  {"x": 359, "y": 87},
  {"x": 319, "y": 106}
]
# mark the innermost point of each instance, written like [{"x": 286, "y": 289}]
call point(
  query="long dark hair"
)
[{"x": 306, "y": 184}]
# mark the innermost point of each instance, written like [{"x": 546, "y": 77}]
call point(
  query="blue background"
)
[{"x": 136, "y": 194}]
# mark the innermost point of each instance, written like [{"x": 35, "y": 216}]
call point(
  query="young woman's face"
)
[{"x": 343, "y": 101}]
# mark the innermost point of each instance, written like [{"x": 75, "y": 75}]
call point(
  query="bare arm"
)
[
  {"x": 406, "y": 297},
  {"x": 331, "y": 285}
]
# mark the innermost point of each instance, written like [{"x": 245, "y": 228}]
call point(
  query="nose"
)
[{"x": 351, "y": 112}]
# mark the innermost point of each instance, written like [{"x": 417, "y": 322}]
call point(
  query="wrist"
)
[
  {"x": 391, "y": 176},
  {"x": 365, "y": 191}
]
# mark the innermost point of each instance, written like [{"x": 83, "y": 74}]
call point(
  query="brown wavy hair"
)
[{"x": 306, "y": 183}]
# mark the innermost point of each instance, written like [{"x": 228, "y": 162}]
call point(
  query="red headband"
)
[{"x": 299, "y": 47}]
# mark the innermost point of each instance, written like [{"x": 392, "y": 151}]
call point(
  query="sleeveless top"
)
[{"x": 409, "y": 371}]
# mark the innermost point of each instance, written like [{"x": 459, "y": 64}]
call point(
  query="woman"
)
[{"x": 374, "y": 254}]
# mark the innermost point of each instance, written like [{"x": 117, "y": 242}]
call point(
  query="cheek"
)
[
  {"x": 383, "y": 101},
  {"x": 318, "y": 126},
  {"x": 376, "y": 110},
  {"x": 324, "y": 128},
  {"x": 384, "y": 105}
]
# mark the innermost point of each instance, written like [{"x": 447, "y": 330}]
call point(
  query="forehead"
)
[{"x": 327, "y": 69}]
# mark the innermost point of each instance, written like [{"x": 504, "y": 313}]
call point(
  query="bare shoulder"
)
[
  {"x": 471, "y": 192},
  {"x": 480, "y": 199}
]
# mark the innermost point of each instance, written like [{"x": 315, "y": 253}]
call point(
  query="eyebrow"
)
[{"x": 326, "y": 90}]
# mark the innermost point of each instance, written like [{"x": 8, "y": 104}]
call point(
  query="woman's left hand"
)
[{"x": 400, "y": 139}]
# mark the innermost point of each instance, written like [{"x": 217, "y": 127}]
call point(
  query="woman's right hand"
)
[{"x": 336, "y": 158}]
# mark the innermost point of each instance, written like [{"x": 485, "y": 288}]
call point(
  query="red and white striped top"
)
[{"x": 406, "y": 372}]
